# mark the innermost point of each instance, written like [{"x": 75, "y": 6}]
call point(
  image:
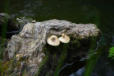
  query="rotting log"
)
[{"x": 29, "y": 54}]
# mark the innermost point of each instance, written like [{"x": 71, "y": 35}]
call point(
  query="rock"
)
[{"x": 41, "y": 59}]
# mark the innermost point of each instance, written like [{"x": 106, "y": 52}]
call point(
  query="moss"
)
[{"x": 5, "y": 67}]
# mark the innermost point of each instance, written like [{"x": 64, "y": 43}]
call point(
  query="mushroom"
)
[
  {"x": 53, "y": 40},
  {"x": 64, "y": 38},
  {"x": 19, "y": 56}
]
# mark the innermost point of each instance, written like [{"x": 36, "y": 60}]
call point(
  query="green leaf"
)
[{"x": 111, "y": 52}]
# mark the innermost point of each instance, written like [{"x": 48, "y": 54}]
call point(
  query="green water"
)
[{"x": 98, "y": 12}]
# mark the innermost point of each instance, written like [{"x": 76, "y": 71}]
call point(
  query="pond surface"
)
[{"x": 78, "y": 11}]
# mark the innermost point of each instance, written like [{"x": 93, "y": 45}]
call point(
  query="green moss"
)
[{"x": 5, "y": 67}]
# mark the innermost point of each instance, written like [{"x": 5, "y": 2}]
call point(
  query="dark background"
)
[{"x": 99, "y": 12}]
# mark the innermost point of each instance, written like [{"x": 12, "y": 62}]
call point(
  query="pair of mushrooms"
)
[{"x": 55, "y": 41}]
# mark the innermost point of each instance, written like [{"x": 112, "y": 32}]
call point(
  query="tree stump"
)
[{"x": 29, "y": 54}]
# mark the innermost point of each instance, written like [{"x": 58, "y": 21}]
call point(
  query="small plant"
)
[{"x": 111, "y": 52}]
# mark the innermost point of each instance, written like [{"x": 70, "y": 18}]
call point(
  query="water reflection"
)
[{"x": 79, "y": 72}]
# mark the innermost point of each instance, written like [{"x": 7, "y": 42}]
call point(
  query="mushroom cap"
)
[
  {"x": 64, "y": 38},
  {"x": 53, "y": 40},
  {"x": 18, "y": 56}
]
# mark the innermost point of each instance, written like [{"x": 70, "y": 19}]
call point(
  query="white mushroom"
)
[
  {"x": 33, "y": 21},
  {"x": 64, "y": 38},
  {"x": 19, "y": 56},
  {"x": 53, "y": 40}
]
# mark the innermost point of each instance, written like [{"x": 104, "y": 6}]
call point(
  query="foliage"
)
[
  {"x": 93, "y": 56},
  {"x": 111, "y": 52}
]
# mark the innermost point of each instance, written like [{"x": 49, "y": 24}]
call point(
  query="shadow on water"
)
[{"x": 78, "y": 11}]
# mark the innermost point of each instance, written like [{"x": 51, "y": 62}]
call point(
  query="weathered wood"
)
[{"x": 27, "y": 48}]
